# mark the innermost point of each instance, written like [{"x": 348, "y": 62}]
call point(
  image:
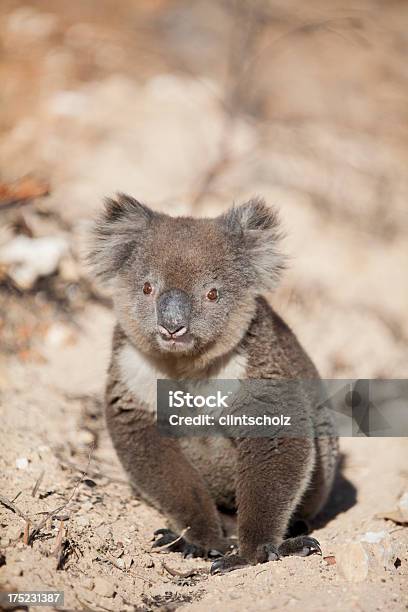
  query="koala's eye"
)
[
  {"x": 147, "y": 289},
  {"x": 212, "y": 295}
]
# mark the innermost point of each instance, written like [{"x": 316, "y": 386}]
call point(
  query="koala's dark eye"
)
[
  {"x": 147, "y": 289},
  {"x": 212, "y": 295}
]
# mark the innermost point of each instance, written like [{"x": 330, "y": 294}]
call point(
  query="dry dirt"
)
[{"x": 190, "y": 106}]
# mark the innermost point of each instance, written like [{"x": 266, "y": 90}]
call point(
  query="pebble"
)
[
  {"x": 88, "y": 583},
  {"x": 380, "y": 549},
  {"x": 352, "y": 562},
  {"x": 31, "y": 258},
  {"x": 82, "y": 521},
  {"x": 22, "y": 463},
  {"x": 59, "y": 335},
  {"x": 103, "y": 587},
  {"x": 403, "y": 506}
]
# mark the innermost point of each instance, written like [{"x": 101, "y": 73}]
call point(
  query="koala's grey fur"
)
[{"x": 269, "y": 481}]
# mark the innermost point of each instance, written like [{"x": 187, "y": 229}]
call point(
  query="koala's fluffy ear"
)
[
  {"x": 116, "y": 234},
  {"x": 256, "y": 228}
]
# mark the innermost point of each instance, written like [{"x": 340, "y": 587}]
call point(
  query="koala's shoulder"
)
[{"x": 272, "y": 349}]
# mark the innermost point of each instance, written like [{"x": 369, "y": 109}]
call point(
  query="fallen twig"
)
[
  {"x": 58, "y": 540},
  {"x": 91, "y": 473},
  {"x": 188, "y": 574},
  {"x": 11, "y": 506},
  {"x": 50, "y": 514},
  {"x": 37, "y": 484},
  {"x": 26, "y": 533}
]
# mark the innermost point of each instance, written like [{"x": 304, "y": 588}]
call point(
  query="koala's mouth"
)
[{"x": 181, "y": 344}]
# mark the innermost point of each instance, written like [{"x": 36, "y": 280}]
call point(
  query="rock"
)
[
  {"x": 30, "y": 258},
  {"x": 21, "y": 463},
  {"x": 380, "y": 549},
  {"x": 27, "y": 22},
  {"x": 146, "y": 561},
  {"x": 330, "y": 560},
  {"x": 403, "y": 506},
  {"x": 87, "y": 583},
  {"x": 59, "y": 335},
  {"x": 82, "y": 521},
  {"x": 67, "y": 104},
  {"x": 373, "y": 537},
  {"x": 103, "y": 587},
  {"x": 352, "y": 562},
  {"x": 128, "y": 561},
  {"x": 69, "y": 270},
  {"x": 85, "y": 437}
]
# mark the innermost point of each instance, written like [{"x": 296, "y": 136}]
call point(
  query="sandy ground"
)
[
  {"x": 189, "y": 107},
  {"x": 51, "y": 415}
]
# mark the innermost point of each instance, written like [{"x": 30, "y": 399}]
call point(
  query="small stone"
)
[
  {"x": 330, "y": 560},
  {"x": 31, "y": 258},
  {"x": 104, "y": 532},
  {"x": 103, "y": 587},
  {"x": 68, "y": 270},
  {"x": 380, "y": 550},
  {"x": 87, "y": 583},
  {"x": 373, "y": 537},
  {"x": 59, "y": 335},
  {"x": 27, "y": 22},
  {"x": 147, "y": 562},
  {"x": 352, "y": 562},
  {"x": 82, "y": 521},
  {"x": 22, "y": 463},
  {"x": 403, "y": 506},
  {"x": 15, "y": 534},
  {"x": 85, "y": 437},
  {"x": 128, "y": 560}
]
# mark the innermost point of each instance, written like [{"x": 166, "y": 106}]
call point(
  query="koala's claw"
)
[
  {"x": 174, "y": 543},
  {"x": 228, "y": 564},
  {"x": 267, "y": 552},
  {"x": 302, "y": 546}
]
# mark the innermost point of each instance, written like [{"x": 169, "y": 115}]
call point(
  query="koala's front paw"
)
[
  {"x": 302, "y": 546},
  {"x": 174, "y": 543},
  {"x": 227, "y": 564}
]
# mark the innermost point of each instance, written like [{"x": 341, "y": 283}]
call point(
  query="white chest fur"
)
[{"x": 140, "y": 375}]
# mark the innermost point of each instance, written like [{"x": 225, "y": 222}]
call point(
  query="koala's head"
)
[{"x": 186, "y": 286}]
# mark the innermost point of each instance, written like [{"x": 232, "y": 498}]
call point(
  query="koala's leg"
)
[
  {"x": 164, "y": 477},
  {"x": 316, "y": 495},
  {"x": 272, "y": 477}
]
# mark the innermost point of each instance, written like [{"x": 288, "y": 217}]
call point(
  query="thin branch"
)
[
  {"x": 50, "y": 514},
  {"x": 9, "y": 504}
]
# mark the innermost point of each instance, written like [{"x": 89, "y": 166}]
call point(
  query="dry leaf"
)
[{"x": 23, "y": 190}]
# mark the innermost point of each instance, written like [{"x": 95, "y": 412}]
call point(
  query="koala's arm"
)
[{"x": 161, "y": 473}]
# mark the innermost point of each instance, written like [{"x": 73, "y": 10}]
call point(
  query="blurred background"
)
[{"x": 190, "y": 106}]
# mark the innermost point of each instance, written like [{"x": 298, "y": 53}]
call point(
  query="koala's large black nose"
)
[{"x": 173, "y": 312}]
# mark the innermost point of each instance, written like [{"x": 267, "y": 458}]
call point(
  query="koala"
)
[{"x": 189, "y": 301}]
